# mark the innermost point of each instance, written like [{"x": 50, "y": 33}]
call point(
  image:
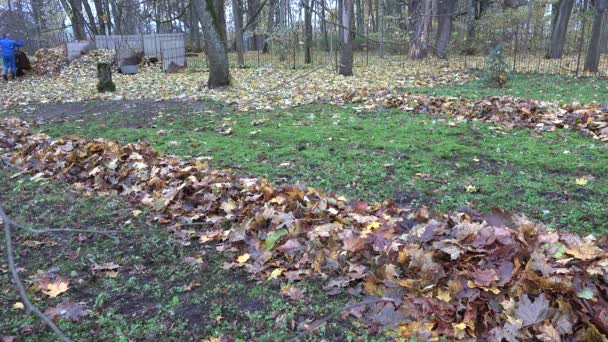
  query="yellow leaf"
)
[
  {"x": 18, "y": 306},
  {"x": 228, "y": 206},
  {"x": 276, "y": 273},
  {"x": 459, "y": 330},
  {"x": 373, "y": 225},
  {"x": 56, "y": 288},
  {"x": 444, "y": 295},
  {"x": 136, "y": 212},
  {"x": 243, "y": 258},
  {"x": 582, "y": 181},
  {"x": 471, "y": 188}
]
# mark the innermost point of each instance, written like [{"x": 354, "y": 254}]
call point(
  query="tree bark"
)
[
  {"x": 324, "y": 26},
  {"x": 219, "y": 71},
  {"x": 307, "y": 31},
  {"x": 89, "y": 12},
  {"x": 445, "y": 13},
  {"x": 269, "y": 26},
  {"x": 74, "y": 9},
  {"x": 238, "y": 31},
  {"x": 346, "y": 48},
  {"x": 252, "y": 9},
  {"x": 381, "y": 26},
  {"x": 558, "y": 33},
  {"x": 220, "y": 15},
  {"x": 283, "y": 29},
  {"x": 101, "y": 15},
  {"x": 420, "y": 17},
  {"x": 592, "y": 61},
  {"x": 604, "y": 36},
  {"x": 359, "y": 14}
]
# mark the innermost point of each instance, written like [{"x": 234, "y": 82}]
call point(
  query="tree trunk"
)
[
  {"x": 104, "y": 78},
  {"x": 101, "y": 15},
  {"x": 270, "y": 25},
  {"x": 592, "y": 61},
  {"x": 604, "y": 37},
  {"x": 420, "y": 17},
  {"x": 346, "y": 53},
  {"x": 108, "y": 16},
  {"x": 220, "y": 16},
  {"x": 219, "y": 71},
  {"x": 283, "y": 30},
  {"x": 324, "y": 26},
  {"x": 471, "y": 12},
  {"x": 307, "y": 31},
  {"x": 381, "y": 26},
  {"x": 359, "y": 14},
  {"x": 445, "y": 13},
  {"x": 558, "y": 34},
  {"x": 37, "y": 13},
  {"x": 238, "y": 31},
  {"x": 89, "y": 12},
  {"x": 74, "y": 8},
  {"x": 252, "y": 9}
]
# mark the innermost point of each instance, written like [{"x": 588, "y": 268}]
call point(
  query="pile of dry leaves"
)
[
  {"x": 459, "y": 276},
  {"x": 86, "y": 65},
  {"x": 590, "y": 119},
  {"x": 48, "y": 62}
]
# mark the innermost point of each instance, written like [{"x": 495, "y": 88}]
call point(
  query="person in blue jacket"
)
[{"x": 8, "y": 55}]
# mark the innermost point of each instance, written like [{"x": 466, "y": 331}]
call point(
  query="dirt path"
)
[{"x": 136, "y": 113}]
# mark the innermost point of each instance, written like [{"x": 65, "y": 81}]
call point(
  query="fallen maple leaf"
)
[
  {"x": 56, "y": 287},
  {"x": 531, "y": 312}
]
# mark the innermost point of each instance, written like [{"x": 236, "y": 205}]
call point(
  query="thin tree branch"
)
[{"x": 15, "y": 275}]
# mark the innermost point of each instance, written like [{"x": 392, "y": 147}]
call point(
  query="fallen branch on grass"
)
[{"x": 19, "y": 284}]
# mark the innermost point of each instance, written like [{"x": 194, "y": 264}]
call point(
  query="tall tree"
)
[
  {"x": 445, "y": 16},
  {"x": 592, "y": 60},
  {"x": 74, "y": 10},
  {"x": 420, "y": 24},
  {"x": 101, "y": 15},
  {"x": 253, "y": 7},
  {"x": 359, "y": 14},
  {"x": 307, "y": 31},
  {"x": 560, "y": 28},
  {"x": 219, "y": 70},
  {"x": 238, "y": 31},
  {"x": 282, "y": 29},
  {"x": 269, "y": 26},
  {"x": 346, "y": 48},
  {"x": 381, "y": 26},
  {"x": 87, "y": 9}
]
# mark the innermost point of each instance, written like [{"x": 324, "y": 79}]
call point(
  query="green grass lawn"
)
[
  {"x": 564, "y": 89},
  {"x": 415, "y": 159},
  {"x": 157, "y": 295}
]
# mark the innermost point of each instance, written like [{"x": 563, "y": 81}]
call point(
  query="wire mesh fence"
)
[{"x": 526, "y": 41}]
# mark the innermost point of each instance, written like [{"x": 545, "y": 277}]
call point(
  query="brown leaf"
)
[
  {"x": 68, "y": 310},
  {"x": 532, "y": 312}
]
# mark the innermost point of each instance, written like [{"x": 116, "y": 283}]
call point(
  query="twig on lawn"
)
[
  {"x": 11, "y": 266},
  {"x": 324, "y": 320}
]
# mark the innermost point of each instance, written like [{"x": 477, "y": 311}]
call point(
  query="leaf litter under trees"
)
[{"x": 453, "y": 275}]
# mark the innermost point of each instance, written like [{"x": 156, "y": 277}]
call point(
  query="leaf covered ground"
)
[
  {"x": 393, "y": 140},
  {"x": 459, "y": 275},
  {"x": 162, "y": 289},
  {"x": 419, "y": 159}
]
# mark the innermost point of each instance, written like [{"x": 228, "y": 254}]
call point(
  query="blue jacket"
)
[{"x": 8, "y": 46}]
